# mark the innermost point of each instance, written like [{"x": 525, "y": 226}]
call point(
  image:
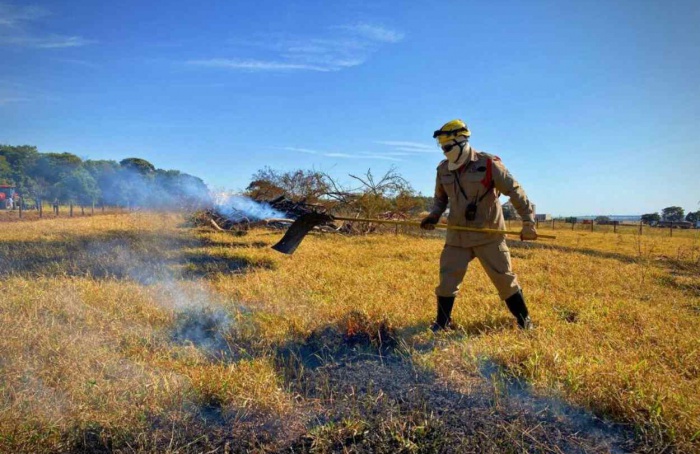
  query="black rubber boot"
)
[
  {"x": 517, "y": 307},
  {"x": 444, "y": 312}
]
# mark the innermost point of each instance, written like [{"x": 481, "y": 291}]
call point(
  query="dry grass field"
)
[{"x": 136, "y": 333}]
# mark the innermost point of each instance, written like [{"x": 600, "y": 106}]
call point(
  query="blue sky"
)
[{"x": 594, "y": 106}]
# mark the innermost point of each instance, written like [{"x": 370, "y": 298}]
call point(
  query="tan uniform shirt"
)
[{"x": 473, "y": 177}]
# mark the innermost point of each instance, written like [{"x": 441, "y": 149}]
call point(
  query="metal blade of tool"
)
[{"x": 299, "y": 229}]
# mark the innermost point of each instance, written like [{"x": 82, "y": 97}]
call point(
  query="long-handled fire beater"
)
[{"x": 305, "y": 223}]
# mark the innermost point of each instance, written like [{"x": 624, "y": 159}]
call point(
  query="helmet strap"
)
[{"x": 461, "y": 149}]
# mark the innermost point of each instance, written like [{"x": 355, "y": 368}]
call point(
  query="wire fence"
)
[
  {"x": 41, "y": 209},
  {"x": 628, "y": 227}
]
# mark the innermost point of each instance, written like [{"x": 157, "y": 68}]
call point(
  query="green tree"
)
[
  {"x": 138, "y": 165},
  {"x": 426, "y": 202},
  {"x": 98, "y": 168},
  {"x": 181, "y": 189},
  {"x": 5, "y": 171},
  {"x": 650, "y": 218},
  {"x": 52, "y": 166},
  {"x": 131, "y": 182},
  {"x": 673, "y": 214},
  {"x": 21, "y": 160},
  {"x": 78, "y": 186},
  {"x": 49, "y": 170},
  {"x": 693, "y": 216},
  {"x": 602, "y": 220},
  {"x": 106, "y": 174}
]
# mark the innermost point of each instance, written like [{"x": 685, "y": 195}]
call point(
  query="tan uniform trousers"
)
[{"x": 494, "y": 257}]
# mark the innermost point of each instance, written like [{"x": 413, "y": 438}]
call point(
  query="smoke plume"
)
[{"x": 237, "y": 208}]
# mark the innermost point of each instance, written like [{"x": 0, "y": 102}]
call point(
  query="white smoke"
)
[
  {"x": 200, "y": 321},
  {"x": 237, "y": 207}
]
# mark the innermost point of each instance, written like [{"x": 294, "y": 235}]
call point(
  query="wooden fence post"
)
[
  {"x": 70, "y": 208},
  {"x": 552, "y": 224},
  {"x": 21, "y": 201},
  {"x": 573, "y": 223},
  {"x": 640, "y": 227},
  {"x": 103, "y": 207},
  {"x": 614, "y": 226},
  {"x": 92, "y": 209},
  {"x": 592, "y": 222},
  {"x": 82, "y": 209},
  {"x": 41, "y": 208}
]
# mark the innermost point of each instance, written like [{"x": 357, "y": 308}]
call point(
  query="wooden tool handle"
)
[{"x": 442, "y": 226}]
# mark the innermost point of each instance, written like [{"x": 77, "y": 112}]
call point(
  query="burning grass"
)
[{"x": 129, "y": 333}]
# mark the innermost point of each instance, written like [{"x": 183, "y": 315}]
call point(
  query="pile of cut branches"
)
[
  {"x": 293, "y": 209},
  {"x": 240, "y": 222},
  {"x": 213, "y": 218}
]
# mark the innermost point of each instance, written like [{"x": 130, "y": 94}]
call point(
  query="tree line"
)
[
  {"x": 66, "y": 178},
  {"x": 673, "y": 214}
]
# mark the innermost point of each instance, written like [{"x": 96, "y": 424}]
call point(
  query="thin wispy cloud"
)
[
  {"x": 397, "y": 143},
  {"x": 363, "y": 155},
  {"x": 344, "y": 155},
  {"x": 12, "y": 93},
  {"x": 302, "y": 150},
  {"x": 57, "y": 41},
  {"x": 13, "y": 16},
  {"x": 339, "y": 48},
  {"x": 18, "y": 25},
  {"x": 255, "y": 65},
  {"x": 4, "y": 100},
  {"x": 398, "y": 146},
  {"x": 375, "y": 32},
  {"x": 74, "y": 61}
]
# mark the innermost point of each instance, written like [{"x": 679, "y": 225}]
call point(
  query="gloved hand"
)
[
  {"x": 428, "y": 223},
  {"x": 528, "y": 233}
]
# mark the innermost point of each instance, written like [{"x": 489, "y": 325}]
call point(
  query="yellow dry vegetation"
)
[{"x": 99, "y": 320}]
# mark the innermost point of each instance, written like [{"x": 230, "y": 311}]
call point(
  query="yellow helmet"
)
[{"x": 450, "y": 131}]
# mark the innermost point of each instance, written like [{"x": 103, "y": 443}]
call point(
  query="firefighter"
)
[{"x": 471, "y": 182}]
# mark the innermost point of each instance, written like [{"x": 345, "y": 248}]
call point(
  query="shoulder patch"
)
[{"x": 442, "y": 163}]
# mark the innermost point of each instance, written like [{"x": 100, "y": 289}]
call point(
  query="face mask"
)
[
  {"x": 458, "y": 155},
  {"x": 456, "y": 152}
]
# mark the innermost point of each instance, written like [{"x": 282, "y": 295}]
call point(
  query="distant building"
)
[{"x": 510, "y": 213}]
